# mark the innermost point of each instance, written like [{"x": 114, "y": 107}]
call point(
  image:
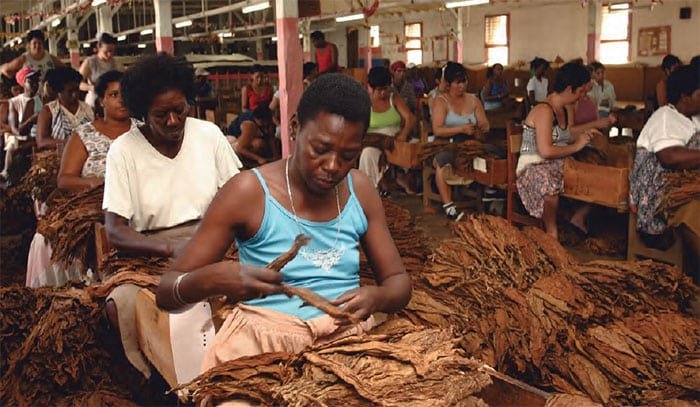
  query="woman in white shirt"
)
[
  {"x": 603, "y": 91},
  {"x": 538, "y": 85}
]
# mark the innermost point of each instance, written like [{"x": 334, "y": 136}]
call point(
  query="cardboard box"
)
[
  {"x": 404, "y": 154},
  {"x": 597, "y": 184},
  {"x": 489, "y": 171}
]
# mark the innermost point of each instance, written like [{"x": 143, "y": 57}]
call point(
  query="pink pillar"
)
[
  {"x": 289, "y": 61},
  {"x": 164, "y": 26},
  {"x": 593, "y": 28}
]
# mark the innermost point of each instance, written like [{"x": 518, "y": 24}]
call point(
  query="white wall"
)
[
  {"x": 338, "y": 38},
  {"x": 685, "y": 34}
]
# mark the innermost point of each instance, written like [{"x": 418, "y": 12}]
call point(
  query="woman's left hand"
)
[{"x": 360, "y": 302}]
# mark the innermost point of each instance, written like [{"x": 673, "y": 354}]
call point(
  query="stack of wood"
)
[
  {"x": 680, "y": 188},
  {"x": 397, "y": 364},
  {"x": 608, "y": 329}
]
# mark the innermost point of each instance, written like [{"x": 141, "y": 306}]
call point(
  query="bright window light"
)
[
  {"x": 615, "y": 37},
  {"x": 614, "y": 52},
  {"x": 274, "y": 39},
  {"x": 374, "y": 35},
  {"x": 142, "y": 45},
  {"x": 497, "y": 55},
  {"x": 351, "y": 17},
  {"x": 147, "y": 31},
  {"x": 183, "y": 24},
  {"x": 415, "y": 56},
  {"x": 256, "y": 7},
  {"x": 465, "y": 3},
  {"x": 619, "y": 6},
  {"x": 121, "y": 38}
]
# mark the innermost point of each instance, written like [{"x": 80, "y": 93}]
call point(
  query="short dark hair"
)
[
  {"x": 258, "y": 68},
  {"x": 537, "y": 62},
  {"x": 106, "y": 38},
  {"x": 683, "y": 81},
  {"x": 454, "y": 71},
  {"x": 152, "y": 75},
  {"x": 308, "y": 68},
  {"x": 695, "y": 61},
  {"x": 262, "y": 112},
  {"x": 489, "y": 70},
  {"x": 318, "y": 35},
  {"x": 597, "y": 65},
  {"x": 38, "y": 34},
  {"x": 379, "y": 77},
  {"x": 104, "y": 80},
  {"x": 571, "y": 74},
  {"x": 59, "y": 77},
  {"x": 335, "y": 93}
]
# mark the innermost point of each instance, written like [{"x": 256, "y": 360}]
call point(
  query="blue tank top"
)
[
  {"x": 453, "y": 119},
  {"x": 276, "y": 235}
]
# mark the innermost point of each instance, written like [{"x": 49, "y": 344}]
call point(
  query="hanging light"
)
[
  {"x": 141, "y": 45},
  {"x": 121, "y": 38},
  {"x": 465, "y": 3},
  {"x": 351, "y": 17},
  {"x": 96, "y": 3},
  {"x": 147, "y": 31},
  {"x": 56, "y": 22},
  {"x": 86, "y": 45},
  {"x": 183, "y": 24},
  {"x": 256, "y": 7}
]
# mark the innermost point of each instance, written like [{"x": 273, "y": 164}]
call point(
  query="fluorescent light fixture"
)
[
  {"x": 121, "y": 38},
  {"x": 141, "y": 45},
  {"x": 256, "y": 7},
  {"x": 351, "y": 17},
  {"x": 465, "y": 3},
  {"x": 274, "y": 39},
  {"x": 225, "y": 35},
  {"x": 183, "y": 24},
  {"x": 619, "y": 6},
  {"x": 86, "y": 45},
  {"x": 96, "y": 3},
  {"x": 147, "y": 31},
  {"x": 56, "y": 22}
]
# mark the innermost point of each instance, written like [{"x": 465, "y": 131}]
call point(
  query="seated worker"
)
[
  {"x": 96, "y": 65},
  {"x": 669, "y": 141},
  {"x": 59, "y": 119},
  {"x": 389, "y": 117},
  {"x": 584, "y": 112},
  {"x": 547, "y": 140},
  {"x": 160, "y": 176},
  {"x": 82, "y": 167},
  {"x": 495, "y": 92},
  {"x": 413, "y": 77},
  {"x": 457, "y": 116},
  {"x": 538, "y": 86},
  {"x": 316, "y": 192},
  {"x": 255, "y": 139},
  {"x": 258, "y": 92},
  {"x": 22, "y": 114},
  {"x": 669, "y": 64},
  {"x": 401, "y": 86},
  {"x": 603, "y": 91}
]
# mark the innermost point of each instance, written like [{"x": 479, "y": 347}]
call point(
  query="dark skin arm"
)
[
  {"x": 393, "y": 289},
  {"x": 248, "y": 132},
  {"x": 72, "y": 161},
  {"x": 43, "y": 131},
  {"x": 231, "y": 213},
  {"x": 679, "y": 158},
  {"x": 126, "y": 239},
  {"x": 10, "y": 69}
]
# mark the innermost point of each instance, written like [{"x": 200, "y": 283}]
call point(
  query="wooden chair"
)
[
  {"x": 636, "y": 249},
  {"x": 514, "y": 134}
]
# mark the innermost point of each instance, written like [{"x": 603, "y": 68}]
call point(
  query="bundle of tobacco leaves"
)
[
  {"x": 680, "y": 188},
  {"x": 464, "y": 151},
  {"x": 41, "y": 179},
  {"x": 13, "y": 256},
  {"x": 70, "y": 225},
  {"x": 392, "y": 366}
]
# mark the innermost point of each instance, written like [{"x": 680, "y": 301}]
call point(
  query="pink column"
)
[
  {"x": 593, "y": 28},
  {"x": 289, "y": 61},
  {"x": 164, "y": 26}
]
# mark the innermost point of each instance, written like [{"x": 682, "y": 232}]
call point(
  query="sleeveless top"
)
[
  {"x": 324, "y": 59},
  {"x": 387, "y": 123},
  {"x": 453, "y": 119},
  {"x": 64, "y": 123},
  {"x": 255, "y": 100},
  {"x": 96, "y": 144},
  {"x": 42, "y": 65},
  {"x": 495, "y": 90},
  {"x": 97, "y": 68},
  {"x": 528, "y": 149},
  {"x": 19, "y": 103},
  {"x": 276, "y": 235}
]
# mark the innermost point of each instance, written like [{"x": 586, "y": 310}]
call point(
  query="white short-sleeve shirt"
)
[
  {"x": 153, "y": 191},
  {"x": 539, "y": 87},
  {"x": 666, "y": 128}
]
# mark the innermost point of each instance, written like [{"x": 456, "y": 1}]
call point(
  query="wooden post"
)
[
  {"x": 72, "y": 44},
  {"x": 460, "y": 35},
  {"x": 594, "y": 28},
  {"x": 289, "y": 59},
  {"x": 164, "y": 26}
]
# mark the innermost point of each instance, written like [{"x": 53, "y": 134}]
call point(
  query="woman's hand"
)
[
  {"x": 583, "y": 139},
  {"x": 612, "y": 119},
  {"x": 469, "y": 129},
  {"x": 249, "y": 283},
  {"x": 360, "y": 302}
]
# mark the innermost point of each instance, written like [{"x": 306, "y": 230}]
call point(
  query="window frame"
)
[
  {"x": 486, "y": 44},
  {"x": 406, "y": 39},
  {"x": 628, "y": 40}
]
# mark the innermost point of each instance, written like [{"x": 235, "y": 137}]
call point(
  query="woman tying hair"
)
[
  {"x": 94, "y": 66},
  {"x": 457, "y": 116},
  {"x": 59, "y": 118},
  {"x": 390, "y": 116},
  {"x": 547, "y": 140},
  {"x": 258, "y": 92},
  {"x": 315, "y": 192}
]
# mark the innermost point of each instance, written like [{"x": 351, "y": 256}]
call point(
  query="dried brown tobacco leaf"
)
[
  {"x": 685, "y": 372},
  {"x": 680, "y": 187},
  {"x": 570, "y": 400}
]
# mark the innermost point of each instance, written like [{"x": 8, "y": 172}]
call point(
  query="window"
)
[
  {"x": 374, "y": 35},
  {"x": 615, "y": 36},
  {"x": 414, "y": 48},
  {"x": 496, "y": 39}
]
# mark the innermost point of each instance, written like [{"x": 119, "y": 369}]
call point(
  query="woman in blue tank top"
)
[
  {"x": 315, "y": 192},
  {"x": 457, "y": 116},
  {"x": 495, "y": 92}
]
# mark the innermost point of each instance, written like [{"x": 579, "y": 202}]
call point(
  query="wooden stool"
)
[{"x": 636, "y": 249}]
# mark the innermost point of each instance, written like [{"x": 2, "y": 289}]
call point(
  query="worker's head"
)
[
  {"x": 65, "y": 81},
  {"x": 28, "y": 79},
  {"x": 109, "y": 96},
  {"x": 262, "y": 115},
  {"x": 455, "y": 78},
  {"x": 598, "y": 71},
  {"x": 379, "y": 83},
  {"x": 258, "y": 75},
  {"x": 35, "y": 42},
  {"x": 318, "y": 39},
  {"x": 398, "y": 71},
  {"x": 670, "y": 63},
  {"x": 539, "y": 66},
  {"x": 494, "y": 71},
  {"x": 310, "y": 70},
  {"x": 571, "y": 81},
  {"x": 106, "y": 45},
  {"x": 683, "y": 89}
]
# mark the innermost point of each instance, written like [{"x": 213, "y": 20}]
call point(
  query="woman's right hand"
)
[
  {"x": 469, "y": 129},
  {"x": 249, "y": 283},
  {"x": 583, "y": 140}
]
